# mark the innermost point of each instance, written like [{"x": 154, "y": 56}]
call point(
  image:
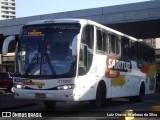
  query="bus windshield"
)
[{"x": 46, "y": 50}]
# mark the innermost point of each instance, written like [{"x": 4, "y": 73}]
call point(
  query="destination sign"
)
[
  {"x": 65, "y": 27},
  {"x": 35, "y": 32}
]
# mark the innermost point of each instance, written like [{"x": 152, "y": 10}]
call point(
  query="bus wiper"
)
[
  {"x": 31, "y": 64},
  {"x": 34, "y": 60},
  {"x": 50, "y": 65}
]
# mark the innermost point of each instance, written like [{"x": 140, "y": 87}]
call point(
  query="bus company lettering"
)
[{"x": 118, "y": 64}]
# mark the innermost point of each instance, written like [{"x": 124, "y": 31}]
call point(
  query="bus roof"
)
[
  {"x": 64, "y": 20},
  {"x": 81, "y": 21}
]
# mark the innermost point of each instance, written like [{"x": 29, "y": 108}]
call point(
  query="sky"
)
[{"x": 25, "y": 8}]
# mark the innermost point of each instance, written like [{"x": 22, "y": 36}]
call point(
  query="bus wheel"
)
[
  {"x": 100, "y": 96},
  {"x": 140, "y": 97},
  {"x": 49, "y": 104}
]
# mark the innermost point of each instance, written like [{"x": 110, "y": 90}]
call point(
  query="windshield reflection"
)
[{"x": 47, "y": 50}]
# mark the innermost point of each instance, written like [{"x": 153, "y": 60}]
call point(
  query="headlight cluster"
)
[
  {"x": 20, "y": 86},
  {"x": 66, "y": 87}
]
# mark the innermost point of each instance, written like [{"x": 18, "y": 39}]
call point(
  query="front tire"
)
[{"x": 49, "y": 104}]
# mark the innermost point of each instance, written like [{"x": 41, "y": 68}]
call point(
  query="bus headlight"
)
[
  {"x": 66, "y": 87},
  {"x": 19, "y": 86}
]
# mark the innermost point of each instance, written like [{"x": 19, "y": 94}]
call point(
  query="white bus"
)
[{"x": 80, "y": 60}]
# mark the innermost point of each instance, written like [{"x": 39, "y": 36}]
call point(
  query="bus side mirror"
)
[
  {"x": 6, "y": 44},
  {"x": 10, "y": 74},
  {"x": 75, "y": 45}
]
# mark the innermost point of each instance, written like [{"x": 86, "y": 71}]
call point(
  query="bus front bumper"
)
[{"x": 54, "y": 95}]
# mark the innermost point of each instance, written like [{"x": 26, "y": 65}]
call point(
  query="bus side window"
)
[
  {"x": 134, "y": 50},
  {"x": 99, "y": 40},
  {"x": 83, "y": 59},
  {"x": 140, "y": 57},
  {"x": 105, "y": 42},
  {"x": 140, "y": 51},
  {"x": 86, "y": 50},
  {"x": 118, "y": 45},
  {"x": 102, "y": 41},
  {"x": 125, "y": 47},
  {"x": 114, "y": 44},
  {"x": 145, "y": 52},
  {"x": 152, "y": 55}
]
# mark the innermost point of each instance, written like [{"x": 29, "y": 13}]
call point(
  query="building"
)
[
  {"x": 7, "y": 9},
  {"x": 157, "y": 43},
  {"x": 158, "y": 53},
  {"x": 150, "y": 41}
]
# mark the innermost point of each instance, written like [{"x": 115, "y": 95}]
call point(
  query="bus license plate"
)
[{"x": 37, "y": 95}]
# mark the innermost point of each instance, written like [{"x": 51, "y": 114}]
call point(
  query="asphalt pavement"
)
[{"x": 7, "y": 101}]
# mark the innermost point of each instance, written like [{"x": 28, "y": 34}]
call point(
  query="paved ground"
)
[{"x": 8, "y": 103}]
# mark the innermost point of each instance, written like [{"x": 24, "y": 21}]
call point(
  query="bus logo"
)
[
  {"x": 40, "y": 85},
  {"x": 119, "y": 64}
]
